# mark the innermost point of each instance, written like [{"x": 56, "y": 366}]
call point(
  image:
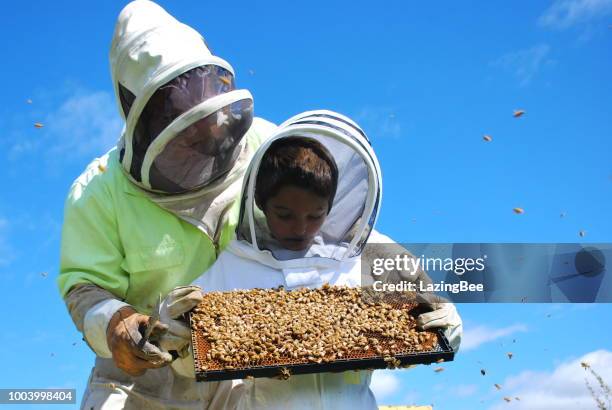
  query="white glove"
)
[
  {"x": 445, "y": 315},
  {"x": 183, "y": 365},
  {"x": 173, "y": 308}
]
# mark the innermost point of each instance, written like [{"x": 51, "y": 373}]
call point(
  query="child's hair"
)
[{"x": 298, "y": 161}]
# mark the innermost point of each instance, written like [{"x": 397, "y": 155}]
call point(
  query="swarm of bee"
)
[{"x": 261, "y": 327}]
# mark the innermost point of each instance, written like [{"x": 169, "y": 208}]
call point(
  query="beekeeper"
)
[
  {"x": 304, "y": 227},
  {"x": 153, "y": 212}
]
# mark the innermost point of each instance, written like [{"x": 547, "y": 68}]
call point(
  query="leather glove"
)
[
  {"x": 443, "y": 314},
  {"x": 124, "y": 336},
  {"x": 179, "y": 301}
]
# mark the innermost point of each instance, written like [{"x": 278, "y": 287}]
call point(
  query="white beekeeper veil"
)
[
  {"x": 185, "y": 121},
  {"x": 354, "y": 209}
]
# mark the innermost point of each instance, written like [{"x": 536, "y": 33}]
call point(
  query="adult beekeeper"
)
[
  {"x": 310, "y": 201},
  {"x": 154, "y": 212}
]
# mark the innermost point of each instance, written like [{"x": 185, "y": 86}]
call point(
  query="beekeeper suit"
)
[
  {"x": 256, "y": 260},
  {"x": 154, "y": 211}
]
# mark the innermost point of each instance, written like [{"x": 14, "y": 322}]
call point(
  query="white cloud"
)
[
  {"x": 21, "y": 147},
  {"x": 525, "y": 64},
  {"x": 464, "y": 390},
  {"x": 562, "y": 389},
  {"x": 85, "y": 124},
  {"x": 410, "y": 398},
  {"x": 474, "y": 336},
  {"x": 379, "y": 122},
  {"x": 6, "y": 252},
  {"x": 566, "y": 13},
  {"x": 384, "y": 383}
]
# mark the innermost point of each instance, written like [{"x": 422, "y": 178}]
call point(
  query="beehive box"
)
[{"x": 277, "y": 333}]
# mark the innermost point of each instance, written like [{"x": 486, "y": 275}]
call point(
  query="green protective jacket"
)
[{"x": 116, "y": 238}]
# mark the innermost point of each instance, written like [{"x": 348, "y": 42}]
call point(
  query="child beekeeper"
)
[{"x": 310, "y": 201}]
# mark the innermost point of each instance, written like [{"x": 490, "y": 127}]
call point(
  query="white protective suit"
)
[{"x": 255, "y": 261}]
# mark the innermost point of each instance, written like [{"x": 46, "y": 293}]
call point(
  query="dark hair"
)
[{"x": 298, "y": 161}]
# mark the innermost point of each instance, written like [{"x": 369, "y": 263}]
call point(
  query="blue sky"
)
[{"x": 426, "y": 81}]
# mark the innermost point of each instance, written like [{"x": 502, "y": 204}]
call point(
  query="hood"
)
[
  {"x": 355, "y": 204},
  {"x": 184, "y": 118}
]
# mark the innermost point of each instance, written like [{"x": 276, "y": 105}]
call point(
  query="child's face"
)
[{"x": 295, "y": 216}]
